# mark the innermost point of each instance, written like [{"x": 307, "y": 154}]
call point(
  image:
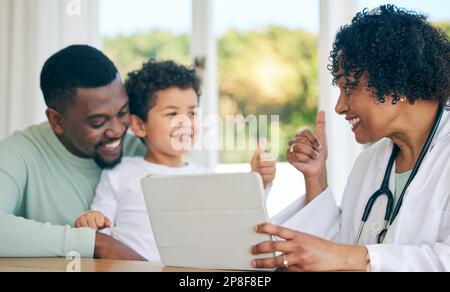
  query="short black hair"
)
[
  {"x": 401, "y": 52},
  {"x": 77, "y": 66},
  {"x": 142, "y": 85}
]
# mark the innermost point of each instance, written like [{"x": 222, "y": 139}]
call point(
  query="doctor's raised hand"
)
[{"x": 308, "y": 152}]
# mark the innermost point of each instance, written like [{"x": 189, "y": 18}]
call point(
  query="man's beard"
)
[{"x": 106, "y": 164}]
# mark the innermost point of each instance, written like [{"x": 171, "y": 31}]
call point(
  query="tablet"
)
[{"x": 206, "y": 221}]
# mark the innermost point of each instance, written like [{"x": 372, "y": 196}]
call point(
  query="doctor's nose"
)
[{"x": 341, "y": 105}]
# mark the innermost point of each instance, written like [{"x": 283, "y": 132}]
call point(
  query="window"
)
[
  {"x": 134, "y": 31},
  {"x": 268, "y": 67}
]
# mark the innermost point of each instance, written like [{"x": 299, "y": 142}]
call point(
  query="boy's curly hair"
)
[
  {"x": 142, "y": 85},
  {"x": 399, "y": 50}
]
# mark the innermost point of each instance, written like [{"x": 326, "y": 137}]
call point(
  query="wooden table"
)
[{"x": 85, "y": 265}]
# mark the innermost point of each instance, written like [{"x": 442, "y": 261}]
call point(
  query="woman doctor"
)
[{"x": 393, "y": 71}]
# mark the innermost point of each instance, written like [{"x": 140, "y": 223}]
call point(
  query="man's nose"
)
[{"x": 117, "y": 129}]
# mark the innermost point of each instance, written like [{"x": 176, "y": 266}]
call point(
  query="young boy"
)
[{"x": 164, "y": 100}]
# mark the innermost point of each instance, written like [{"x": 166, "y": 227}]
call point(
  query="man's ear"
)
[
  {"x": 55, "y": 120},
  {"x": 138, "y": 127}
]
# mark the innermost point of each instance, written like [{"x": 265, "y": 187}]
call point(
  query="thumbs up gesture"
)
[
  {"x": 308, "y": 151},
  {"x": 264, "y": 164}
]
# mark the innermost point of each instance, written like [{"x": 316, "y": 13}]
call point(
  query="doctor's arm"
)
[{"x": 408, "y": 258}]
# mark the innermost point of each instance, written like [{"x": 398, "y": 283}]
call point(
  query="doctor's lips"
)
[{"x": 353, "y": 121}]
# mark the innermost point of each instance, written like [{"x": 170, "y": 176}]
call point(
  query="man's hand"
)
[
  {"x": 107, "y": 247},
  {"x": 263, "y": 164},
  {"x": 94, "y": 219}
]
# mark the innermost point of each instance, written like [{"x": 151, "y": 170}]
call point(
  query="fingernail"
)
[
  {"x": 255, "y": 229},
  {"x": 254, "y": 264}
]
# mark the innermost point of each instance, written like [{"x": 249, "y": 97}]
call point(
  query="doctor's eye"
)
[{"x": 348, "y": 89}]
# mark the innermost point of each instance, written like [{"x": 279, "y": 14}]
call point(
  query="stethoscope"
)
[{"x": 384, "y": 190}]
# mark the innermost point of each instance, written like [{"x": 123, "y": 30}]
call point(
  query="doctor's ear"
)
[{"x": 138, "y": 126}]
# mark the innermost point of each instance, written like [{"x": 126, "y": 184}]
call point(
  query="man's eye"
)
[
  {"x": 97, "y": 126},
  {"x": 123, "y": 114}
]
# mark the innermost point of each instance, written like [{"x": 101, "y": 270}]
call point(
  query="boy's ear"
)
[{"x": 138, "y": 127}]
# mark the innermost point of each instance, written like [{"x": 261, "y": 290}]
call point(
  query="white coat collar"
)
[{"x": 442, "y": 133}]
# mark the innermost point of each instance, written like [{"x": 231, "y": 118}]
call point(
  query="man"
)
[{"x": 49, "y": 172}]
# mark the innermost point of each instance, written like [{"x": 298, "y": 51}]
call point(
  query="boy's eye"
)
[{"x": 172, "y": 114}]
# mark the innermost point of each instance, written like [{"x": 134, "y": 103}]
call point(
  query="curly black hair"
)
[
  {"x": 142, "y": 85},
  {"x": 77, "y": 66},
  {"x": 400, "y": 52}
]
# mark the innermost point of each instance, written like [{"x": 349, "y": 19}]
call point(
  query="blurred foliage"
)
[
  {"x": 269, "y": 72},
  {"x": 273, "y": 71},
  {"x": 129, "y": 52},
  {"x": 445, "y": 26}
]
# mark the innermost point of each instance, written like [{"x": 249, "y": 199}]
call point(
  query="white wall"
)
[{"x": 31, "y": 31}]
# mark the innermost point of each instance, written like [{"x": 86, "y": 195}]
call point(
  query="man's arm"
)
[{"x": 20, "y": 237}]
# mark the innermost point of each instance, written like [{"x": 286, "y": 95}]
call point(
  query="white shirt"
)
[
  {"x": 119, "y": 196},
  {"x": 418, "y": 240}
]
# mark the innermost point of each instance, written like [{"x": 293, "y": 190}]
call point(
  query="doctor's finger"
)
[
  {"x": 298, "y": 158},
  {"x": 310, "y": 137},
  {"x": 274, "y": 262},
  {"x": 272, "y": 246},
  {"x": 279, "y": 231},
  {"x": 300, "y": 140},
  {"x": 304, "y": 149}
]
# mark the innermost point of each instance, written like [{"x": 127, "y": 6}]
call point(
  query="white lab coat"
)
[{"x": 418, "y": 240}]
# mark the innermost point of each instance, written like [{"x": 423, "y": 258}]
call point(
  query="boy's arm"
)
[
  {"x": 20, "y": 237},
  {"x": 105, "y": 200}
]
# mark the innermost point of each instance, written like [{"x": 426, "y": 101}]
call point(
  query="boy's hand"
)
[
  {"x": 94, "y": 219},
  {"x": 264, "y": 164}
]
